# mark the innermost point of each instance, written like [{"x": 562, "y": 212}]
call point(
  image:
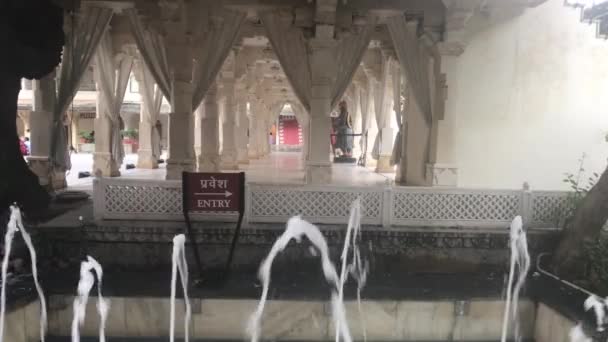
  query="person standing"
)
[{"x": 345, "y": 130}]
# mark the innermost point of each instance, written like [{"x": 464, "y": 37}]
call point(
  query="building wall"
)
[{"x": 529, "y": 99}]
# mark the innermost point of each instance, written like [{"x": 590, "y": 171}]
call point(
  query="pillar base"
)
[
  {"x": 442, "y": 174},
  {"x": 175, "y": 167},
  {"x": 40, "y": 167},
  {"x": 50, "y": 179},
  {"x": 318, "y": 174},
  {"x": 383, "y": 165},
  {"x": 104, "y": 166},
  {"x": 208, "y": 163},
  {"x": 242, "y": 156},
  {"x": 146, "y": 160},
  {"x": 229, "y": 160},
  {"x": 253, "y": 154}
]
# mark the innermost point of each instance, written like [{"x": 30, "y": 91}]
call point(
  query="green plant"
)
[
  {"x": 87, "y": 136},
  {"x": 579, "y": 188},
  {"x": 596, "y": 258},
  {"x": 130, "y": 133}
]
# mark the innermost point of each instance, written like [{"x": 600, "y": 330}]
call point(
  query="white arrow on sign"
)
[{"x": 226, "y": 193}]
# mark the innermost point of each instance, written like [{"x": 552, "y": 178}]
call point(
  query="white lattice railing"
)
[{"x": 131, "y": 199}]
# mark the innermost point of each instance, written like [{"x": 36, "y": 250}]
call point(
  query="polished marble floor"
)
[{"x": 276, "y": 168}]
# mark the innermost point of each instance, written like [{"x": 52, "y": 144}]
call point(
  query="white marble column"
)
[
  {"x": 241, "y": 131},
  {"x": 262, "y": 132},
  {"x": 74, "y": 129},
  {"x": 180, "y": 154},
  {"x": 229, "y": 152},
  {"x": 442, "y": 169},
  {"x": 40, "y": 132},
  {"x": 252, "y": 148},
  {"x": 145, "y": 155},
  {"x": 355, "y": 111},
  {"x": 103, "y": 163},
  {"x": 209, "y": 159},
  {"x": 318, "y": 166}
]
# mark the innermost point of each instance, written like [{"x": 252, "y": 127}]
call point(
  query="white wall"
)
[{"x": 530, "y": 96}]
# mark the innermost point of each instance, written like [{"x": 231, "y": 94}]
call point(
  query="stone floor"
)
[{"x": 276, "y": 168}]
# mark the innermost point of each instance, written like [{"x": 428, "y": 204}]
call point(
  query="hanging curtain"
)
[
  {"x": 112, "y": 75},
  {"x": 215, "y": 46},
  {"x": 381, "y": 102},
  {"x": 151, "y": 46},
  {"x": 396, "y": 155},
  {"x": 290, "y": 46},
  {"x": 349, "y": 53},
  {"x": 152, "y": 100},
  {"x": 78, "y": 51},
  {"x": 414, "y": 61}
]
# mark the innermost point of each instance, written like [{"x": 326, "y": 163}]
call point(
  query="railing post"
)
[
  {"x": 99, "y": 195},
  {"x": 526, "y": 203},
  {"x": 247, "y": 195},
  {"x": 387, "y": 206}
]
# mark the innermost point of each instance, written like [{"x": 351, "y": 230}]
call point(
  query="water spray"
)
[
  {"x": 85, "y": 284},
  {"x": 15, "y": 224},
  {"x": 296, "y": 229},
  {"x": 179, "y": 265},
  {"x": 520, "y": 260}
]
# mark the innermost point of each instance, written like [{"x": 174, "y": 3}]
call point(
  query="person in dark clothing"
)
[{"x": 344, "y": 130}]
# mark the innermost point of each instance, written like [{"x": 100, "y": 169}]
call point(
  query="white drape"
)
[
  {"x": 414, "y": 61},
  {"x": 152, "y": 49},
  {"x": 78, "y": 51},
  {"x": 349, "y": 54},
  {"x": 112, "y": 75},
  {"x": 397, "y": 147},
  {"x": 152, "y": 99},
  {"x": 381, "y": 105},
  {"x": 291, "y": 48},
  {"x": 217, "y": 40}
]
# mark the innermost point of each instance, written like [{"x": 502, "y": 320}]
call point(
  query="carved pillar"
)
[
  {"x": 209, "y": 160},
  {"x": 318, "y": 165},
  {"x": 103, "y": 163},
  {"x": 180, "y": 156},
  {"x": 442, "y": 169},
  {"x": 40, "y": 132},
  {"x": 242, "y": 131},
  {"x": 229, "y": 152},
  {"x": 145, "y": 155}
]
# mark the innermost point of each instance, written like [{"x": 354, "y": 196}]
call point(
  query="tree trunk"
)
[
  {"x": 31, "y": 40},
  {"x": 586, "y": 225}
]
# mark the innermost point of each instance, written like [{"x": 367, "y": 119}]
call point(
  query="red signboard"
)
[{"x": 213, "y": 191}]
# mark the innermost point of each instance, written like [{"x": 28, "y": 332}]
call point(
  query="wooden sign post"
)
[{"x": 212, "y": 193}]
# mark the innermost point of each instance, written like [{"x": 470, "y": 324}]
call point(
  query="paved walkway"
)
[{"x": 277, "y": 168}]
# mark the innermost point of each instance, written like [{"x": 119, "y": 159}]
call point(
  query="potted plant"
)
[
  {"x": 130, "y": 135},
  {"x": 130, "y": 140},
  {"x": 86, "y": 137}
]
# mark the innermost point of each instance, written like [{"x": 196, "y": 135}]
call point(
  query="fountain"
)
[
  {"x": 577, "y": 334},
  {"x": 180, "y": 265},
  {"x": 599, "y": 309},
  {"x": 352, "y": 265},
  {"x": 520, "y": 260},
  {"x": 296, "y": 229},
  {"x": 85, "y": 284},
  {"x": 15, "y": 224}
]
